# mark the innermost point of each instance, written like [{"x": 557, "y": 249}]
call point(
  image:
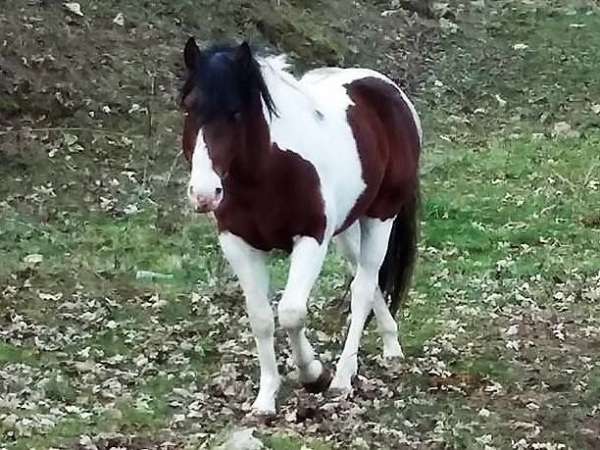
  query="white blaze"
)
[{"x": 204, "y": 181}]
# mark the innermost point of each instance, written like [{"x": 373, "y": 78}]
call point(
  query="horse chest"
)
[
  {"x": 271, "y": 224},
  {"x": 286, "y": 202}
]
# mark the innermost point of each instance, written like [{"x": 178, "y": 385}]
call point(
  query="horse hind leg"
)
[
  {"x": 348, "y": 244},
  {"x": 374, "y": 237},
  {"x": 387, "y": 327}
]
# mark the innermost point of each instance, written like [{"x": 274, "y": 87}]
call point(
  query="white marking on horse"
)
[
  {"x": 373, "y": 245},
  {"x": 349, "y": 244},
  {"x": 317, "y": 75},
  {"x": 250, "y": 266},
  {"x": 205, "y": 188},
  {"x": 414, "y": 113},
  {"x": 326, "y": 139},
  {"x": 306, "y": 261}
]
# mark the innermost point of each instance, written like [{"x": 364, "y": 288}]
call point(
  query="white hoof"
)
[
  {"x": 261, "y": 408},
  {"x": 264, "y": 404},
  {"x": 341, "y": 386},
  {"x": 393, "y": 351},
  {"x": 346, "y": 369},
  {"x": 258, "y": 412}
]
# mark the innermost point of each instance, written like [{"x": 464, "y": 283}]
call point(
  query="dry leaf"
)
[
  {"x": 500, "y": 101},
  {"x": 448, "y": 26},
  {"x": 34, "y": 258},
  {"x": 74, "y": 8},
  {"x": 119, "y": 20}
]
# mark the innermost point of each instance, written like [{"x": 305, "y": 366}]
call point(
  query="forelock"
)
[{"x": 217, "y": 88}]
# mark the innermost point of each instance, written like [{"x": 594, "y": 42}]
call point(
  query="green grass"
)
[
  {"x": 12, "y": 354},
  {"x": 292, "y": 443},
  {"x": 59, "y": 388},
  {"x": 553, "y": 79},
  {"x": 487, "y": 366},
  {"x": 502, "y": 201}
]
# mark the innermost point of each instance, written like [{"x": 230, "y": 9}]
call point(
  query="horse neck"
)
[
  {"x": 253, "y": 155},
  {"x": 253, "y": 162}
]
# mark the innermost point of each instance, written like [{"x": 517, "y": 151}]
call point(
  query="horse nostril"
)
[{"x": 218, "y": 191}]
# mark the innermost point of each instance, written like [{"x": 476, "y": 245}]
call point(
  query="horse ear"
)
[
  {"x": 191, "y": 54},
  {"x": 243, "y": 55}
]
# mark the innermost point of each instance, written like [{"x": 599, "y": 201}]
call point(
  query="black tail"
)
[{"x": 396, "y": 271}]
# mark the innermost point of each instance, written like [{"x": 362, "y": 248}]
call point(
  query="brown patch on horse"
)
[
  {"x": 269, "y": 213},
  {"x": 388, "y": 143},
  {"x": 270, "y": 195},
  {"x": 191, "y": 128},
  {"x": 389, "y": 146}
]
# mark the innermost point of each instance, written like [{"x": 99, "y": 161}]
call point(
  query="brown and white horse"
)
[{"x": 287, "y": 163}]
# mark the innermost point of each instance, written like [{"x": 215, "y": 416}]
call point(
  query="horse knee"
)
[
  {"x": 262, "y": 324},
  {"x": 387, "y": 326},
  {"x": 291, "y": 317},
  {"x": 261, "y": 319},
  {"x": 363, "y": 293}
]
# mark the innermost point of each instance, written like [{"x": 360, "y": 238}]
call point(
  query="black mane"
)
[{"x": 226, "y": 80}]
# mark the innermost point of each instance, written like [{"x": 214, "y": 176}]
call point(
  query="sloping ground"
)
[
  {"x": 102, "y": 87},
  {"x": 502, "y": 334},
  {"x": 58, "y": 66}
]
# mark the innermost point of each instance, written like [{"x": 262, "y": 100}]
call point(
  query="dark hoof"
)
[
  {"x": 259, "y": 419},
  {"x": 321, "y": 384}
]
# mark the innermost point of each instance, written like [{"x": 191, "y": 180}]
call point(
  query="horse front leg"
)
[
  {"x": 306, "y": 262},
  {"x": 250, "y": 267}
]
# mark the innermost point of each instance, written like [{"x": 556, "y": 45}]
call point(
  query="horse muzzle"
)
[{"x": 205, "y": 203}]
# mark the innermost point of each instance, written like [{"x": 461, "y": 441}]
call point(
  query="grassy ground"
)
[{"x": 502, "y": 332}]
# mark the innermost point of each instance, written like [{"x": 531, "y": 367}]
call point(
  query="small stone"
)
[
  {"x": 241, "y": 440},
  {"x": 563, "y": 129}
]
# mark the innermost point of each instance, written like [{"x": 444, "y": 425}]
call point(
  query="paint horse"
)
[{"x": 287, "y": 163}]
